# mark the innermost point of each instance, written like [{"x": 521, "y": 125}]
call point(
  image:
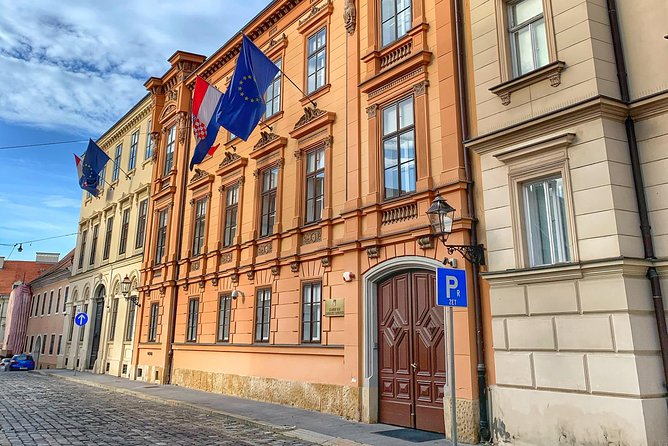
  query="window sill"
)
[
  {"x": 551, "y": 71},
  {"x": 315, "y": 94},
  {"x": 273, "y": 118},
  {"x": 147, "y": 161}
]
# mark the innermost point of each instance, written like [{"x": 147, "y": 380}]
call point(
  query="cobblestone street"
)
[{"x": 38, "y": 410}]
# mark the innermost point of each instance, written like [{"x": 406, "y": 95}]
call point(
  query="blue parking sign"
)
[{"x": 451, "y": 287}]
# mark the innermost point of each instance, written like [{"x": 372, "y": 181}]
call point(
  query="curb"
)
[{"x": 287, "y": 431}]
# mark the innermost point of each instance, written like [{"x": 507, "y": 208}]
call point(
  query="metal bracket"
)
[{"x": 472, "y": 253}]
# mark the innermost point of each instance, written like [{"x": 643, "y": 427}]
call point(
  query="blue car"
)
[{"x": 22, "y": 362}]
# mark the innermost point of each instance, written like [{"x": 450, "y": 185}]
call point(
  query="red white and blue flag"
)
[{"x": 206, "y": 99}]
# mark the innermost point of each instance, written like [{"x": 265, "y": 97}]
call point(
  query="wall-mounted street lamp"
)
[
  {"x": 125, "y": 290},
  {"x": 441, "y": 216}
]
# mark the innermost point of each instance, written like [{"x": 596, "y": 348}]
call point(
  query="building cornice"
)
[{"x": 122, "y": 127}]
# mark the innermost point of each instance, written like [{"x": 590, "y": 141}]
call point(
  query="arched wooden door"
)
[{"x": 411, "y": 354}]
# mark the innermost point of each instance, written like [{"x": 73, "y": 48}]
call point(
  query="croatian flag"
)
[{"x": 206, "y": 100}]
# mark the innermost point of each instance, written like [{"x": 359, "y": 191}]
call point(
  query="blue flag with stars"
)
[
  {"x": 89, "y": 167},
  {"x": 242, "y": 106}
]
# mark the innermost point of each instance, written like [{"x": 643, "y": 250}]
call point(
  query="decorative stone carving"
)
[
  {"x": 264, "y": 248},
  {"x": 171, "y": 95},
  {"x": 250, "y": 275},
  {"x": 234, "y": 278},
  {"x": 230, "y": 157},
  {"x": 420, "y": 88},
  {"x": 274, "y": 270},
  {"x": 181, "y": 119},
  {"x": 155, "y": 143},
  {"x": 325, "y": 261},
  {"x": 214, "y": 281},
  {"x": 373, "y": 252},
  {"x": 505, "y": 98},
  {"x": 425, "y": 242},
  {"x": 274, "y": 41},
  {"x": 371, "y": 111},
  {"x": 194, "y": 266},
  {"x": 256, "y": 173},
  {"x": 555, "y": 79},
  {"x": 314, "y": 10},
  {"x": 192, "y": 202},
  {"x": 202, "y": 283},
  {"x": 311, "y": 237},
  {"x": 328, "y": 141},
  {"x": 163, "y": 289},
  {"x": 185, "y": 286},
  {"x": 294, "y": 267},
  {"x": 265, "y": 138},
  {"x": 310, "y": 113},
  {"x": 225, "y": 257},
  {"x": 349, "y": 16},
  {"x": 298, "y": 154},
  {"x": 199, "y": 174}
]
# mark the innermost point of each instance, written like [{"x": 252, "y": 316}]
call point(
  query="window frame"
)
[
  {"x": 161, "y": 235},
  {"x": 310, "y": 55},
  {"x": 82, "y": 254},
  {"x": 277, "y": 80},
  {"x": 318, "y": 172},
  {"x": 107, "y": 238},
  {"x": 59, "y": 295},
  {"x": 130, "y": 323},
  {"x": 513, "y": 32},
  {"x": 262, "y": 313},
  {"x": 395, "y": 21},
  {"x": 125, "y": 228},
  {"x": 311, "y": 339},
  {"x": 230, "y": 222},
  {"x": 134, "y": 145},
  {"x": 224, "y": 317},
  {"x": 141, "y": 224},
  {"x": 193, "y": 319},
  {"x": 199, "y": 225},
  {"x": 170, "y": 147},
  {"x": 397, "y": 134},
  {"x": 153, "y": 322},
  {"x": 148, "y": 149},
  {"x": 113, "y": 316},
  {"x": 268, "y": 196},
  {"x": 93, "y": 244},
  {"x": 117, "y": 162}
]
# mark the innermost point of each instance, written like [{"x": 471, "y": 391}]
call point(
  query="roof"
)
[
  {"x": 20, "y": 271},
  {"x": 63, "y": 264}
]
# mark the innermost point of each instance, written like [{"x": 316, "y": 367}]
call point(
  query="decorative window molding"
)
[
  {"x": 269, "y": 142},
  {"x": 551, "y": 71},
  {"x": 315, "y": 17}
]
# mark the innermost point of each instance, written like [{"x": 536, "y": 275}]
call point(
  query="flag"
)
[
  {"x": 89, "y": 167},
  {"x": 206, "y": 99},
  {"x": 242, "y": 105}
]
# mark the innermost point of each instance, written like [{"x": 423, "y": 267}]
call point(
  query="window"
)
[
  {"x": 200, "y": 225},
  {"x": 113, "y": 316},
  {"x": 50, "y": 303},
  {"x": 316, "y": 61},
  {"x": 231, "y": 209},
  {"x": 81, "y": 332},
  {"x": 43, "y": 304},
  {"x": 71, "y": 332},
  {"x": 528, "y": 38},
  {"x": 67, "y": 290},
  {"x": 148, "y": 151},
  {"x": 262, "y": 315},
  {"x": 84, "y": 235},
  {"x": 395, "y": 18},
  {"x": 399, "y": 148},
  {"x": 153, "y": 323},
  {"x": 43, "y": 344},
  {"x": 60, "y": 344},
  {"x": 162, "y": 236},
  {"x": 169, "y": 152},
  {"x": 58, "y": 301},
  {"x": 93, "y": 245},
  {"x": 37, "y": 306},
  {"x": 101, "y": 176},
  {"x": 273, "y": 96},
  {"x": 52, "y": 343},
  {"x": 545, "y": 222},
  {"x": 107, "y": 238},
  {"x": 224, "y": 313},
  {"x": 311, "y": 300},
  {"x": 32, "y": 342},
  {"x": 315, "y": 184},
  {"x": 268, "y": 215},
  {"x": 130, "y": 327},
  {"x": 125, "y": 224},
  {"x": 134, "y": 142},
  {"x": 231, "y": 136},
  {"x": 141, "y": 224},
  {"x": 117, "y": 163},
  {"x": 193, "y": 308}
]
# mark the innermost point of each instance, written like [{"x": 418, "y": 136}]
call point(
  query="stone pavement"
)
[{"x": 298, "y": 424}]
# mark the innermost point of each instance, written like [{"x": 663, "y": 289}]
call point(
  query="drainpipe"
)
[
  {"x": 182, "y": 206},
  {"x": 485, "y": 432},
  {"x": 645, "y": 228}
]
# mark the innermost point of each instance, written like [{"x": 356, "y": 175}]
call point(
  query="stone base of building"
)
[
  {"x": 328, "y": 398},
  {"x": 540, "y": 417},
  {"x": 468, "y": 416}
]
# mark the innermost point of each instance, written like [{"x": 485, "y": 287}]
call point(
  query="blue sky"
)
[{"x": 68, "y": 71}]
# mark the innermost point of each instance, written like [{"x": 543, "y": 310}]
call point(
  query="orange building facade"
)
[{"x": 298, "y": 267}]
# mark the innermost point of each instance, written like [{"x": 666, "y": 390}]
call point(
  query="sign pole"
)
[
  {"x": 76, "y": 349},
  {"x": 453, "y": 397}
]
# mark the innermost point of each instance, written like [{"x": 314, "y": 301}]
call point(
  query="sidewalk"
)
[{"x": 305, "y": 425}]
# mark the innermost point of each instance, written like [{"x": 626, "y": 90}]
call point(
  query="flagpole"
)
[{"x": 302, "y": 91}]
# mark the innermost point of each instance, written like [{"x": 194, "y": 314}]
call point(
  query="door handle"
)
[{"x": 414, "y": 365}]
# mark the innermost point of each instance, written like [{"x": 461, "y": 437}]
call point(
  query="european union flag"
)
[
  {"x": 242, "y": 105},
  {"x": 89, "y": 167}
]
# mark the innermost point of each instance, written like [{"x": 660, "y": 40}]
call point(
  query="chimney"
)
[
  {"x": 47, "y": 257},
  {"x": 2, "y": 262}
]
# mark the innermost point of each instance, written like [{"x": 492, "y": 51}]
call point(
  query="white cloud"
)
[{"x": 81, "y": 65}]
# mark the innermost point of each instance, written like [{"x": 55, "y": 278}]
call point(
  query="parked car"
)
[
  {"x": 22, "y": 362},
  {"x": 4, "y": 364}
]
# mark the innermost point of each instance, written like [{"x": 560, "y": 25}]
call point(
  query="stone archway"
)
[{"x": 370, "y": 281}]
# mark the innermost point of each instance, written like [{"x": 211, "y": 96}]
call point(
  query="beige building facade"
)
[
  {"x": 572, "y": 157},
  {"x": 110, "y": 245}
]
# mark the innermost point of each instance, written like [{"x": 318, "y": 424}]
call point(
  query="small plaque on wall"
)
[{"x": 335, "y": 307}]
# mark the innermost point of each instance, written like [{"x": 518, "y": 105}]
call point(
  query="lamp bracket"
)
[
  {"x": 133, "y": 299},
  {"x": 472, "y": 253}
]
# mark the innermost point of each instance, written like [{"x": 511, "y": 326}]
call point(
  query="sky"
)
[{"x": 68, "y": 71}]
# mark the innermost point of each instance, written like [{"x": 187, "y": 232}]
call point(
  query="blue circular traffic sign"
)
[{"x": 81, "y": 319}]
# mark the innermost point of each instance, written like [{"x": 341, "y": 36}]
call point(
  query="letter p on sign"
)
[{"x": 451, "y": 287}]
